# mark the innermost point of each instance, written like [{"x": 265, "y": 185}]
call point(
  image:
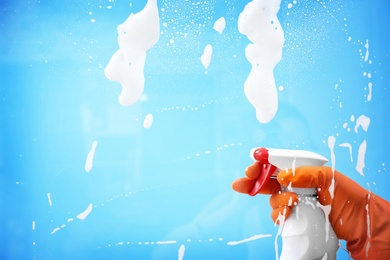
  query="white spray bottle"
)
[{"x": 307, "y": 233}]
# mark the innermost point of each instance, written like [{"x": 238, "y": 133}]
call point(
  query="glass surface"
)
[{"x": 159, "y": 186}]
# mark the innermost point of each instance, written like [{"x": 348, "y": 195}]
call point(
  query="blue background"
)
[{"x": 172, "y": 182}]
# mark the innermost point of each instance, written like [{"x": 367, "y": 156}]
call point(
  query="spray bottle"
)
[{"x": 307, "y": 233}]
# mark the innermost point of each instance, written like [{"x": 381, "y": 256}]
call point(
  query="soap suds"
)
[
  {"x": 255, "y": 237},
  {"x": 331, "y": 144},
  {"x": 148, "y": 121},
  {"x": 367, "y": 51},
  {"x": 259, "y": 22},
  {"x": 166, "y": 242},
  {"x": 368, "y": 245},
  {"x": 180, "y": 253},
  {"x": 49, "y": 199},
  {"x": 349, "y": 146},
  {"x": 55, "y": 230},
  {"x": 369, "y": 95},
  {"x": 85, "y": 213},
  {"x": 89, "y": 161},
  {"x": 361, "y": 158},
  {"x": 139, "y": 33},
  {"x": 363, "y": 122},
  {"x": 219, "y": 25},
  {"x": 206, "y": 56}
]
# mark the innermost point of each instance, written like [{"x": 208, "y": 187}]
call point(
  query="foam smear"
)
[
  {"x": 70, "y": 220},
  {"x": 258, "y": 21},
  {"x": 360, "y": 164},
  {"x": 83, "y": 215},
  {"x": 220, "y": 25},
  {"x": 49, "y": 199},
  {"x": 369, "y": 95},
  {"x": 139, "y": 33},
  {"x": 252, "y": 238},
  {"x": 349, "y": 146},
  {"x": 368, "y": 223},
  {"x": 362, "y": 121},
  {"x": 331, "y": 144},
  {"x": 180, "y": 253},
  {"x": 367, "y": 51},
  {"x": 281, "y": 219},
  {"x": 206, "y": 56},
  {"x": 148, "y": 121},
  {"x": 91, "y": 154}
]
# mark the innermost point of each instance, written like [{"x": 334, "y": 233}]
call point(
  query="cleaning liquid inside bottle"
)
[{"x": 306, "y": 233}]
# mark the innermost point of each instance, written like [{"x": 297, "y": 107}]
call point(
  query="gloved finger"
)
[
  {"x": 253, "y": 171},
  {"x": 283, "y": 199},
  {"x": 245, "y": 185},
  {"x": 301, "y": 177},
  {"x": 279, "y": 215},
  {"x": 270, "y": 187}
]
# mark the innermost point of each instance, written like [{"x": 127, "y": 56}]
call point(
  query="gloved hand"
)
[
  {"x": 357, "y": 215},
  {"x": 250, "y": 185}
]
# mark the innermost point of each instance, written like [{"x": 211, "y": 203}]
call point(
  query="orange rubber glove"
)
[
  {"x": 248, "y": 185},
  {"x": 357, "y": 216}
]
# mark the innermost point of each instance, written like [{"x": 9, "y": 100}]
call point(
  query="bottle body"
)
[{"x": 307, "y": 233}]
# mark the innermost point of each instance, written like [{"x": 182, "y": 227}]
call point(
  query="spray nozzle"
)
[
  {"x": 274, "y": 160},
  {"x": 260, "y": 155}
]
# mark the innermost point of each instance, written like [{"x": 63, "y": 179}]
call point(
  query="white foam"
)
[
  {"x": 206, "y": 56},
  {"x": 349, "y": 146},
  {"x": 49, "y": 199},
  {"x": 281, "y": 219},
  {"x": 148, "y": 121},
  {"x": 167, "y": 242},
  {"x": 258, "y": 21},
  {"x": 331, "y": 144},
  {"x": 89, "y": 161},
  {"x": 362, "y": 121},
  {"x": 33, "y": 225},
  {"x": 368, "y": 245},
  {"x": 180, "y": 253},
  {"x": 255, "y": 237},
  {"x": 369, "y": 96},
  {"x": 55, "y": 230},
  {"x": 326, "y": 209},
  {"x": 367, "y": 51},
  {"x": 139, "y": 33},
  {"x": 220, "y": 25},
  {"x": 83, "y": 215},
  {"x": 361, "y": 158}
]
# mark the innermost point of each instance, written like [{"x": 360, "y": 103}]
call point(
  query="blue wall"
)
[{"x": 155, "y": 189}]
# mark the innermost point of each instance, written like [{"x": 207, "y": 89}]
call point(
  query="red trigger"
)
[{"x": 266, "y": 171}]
